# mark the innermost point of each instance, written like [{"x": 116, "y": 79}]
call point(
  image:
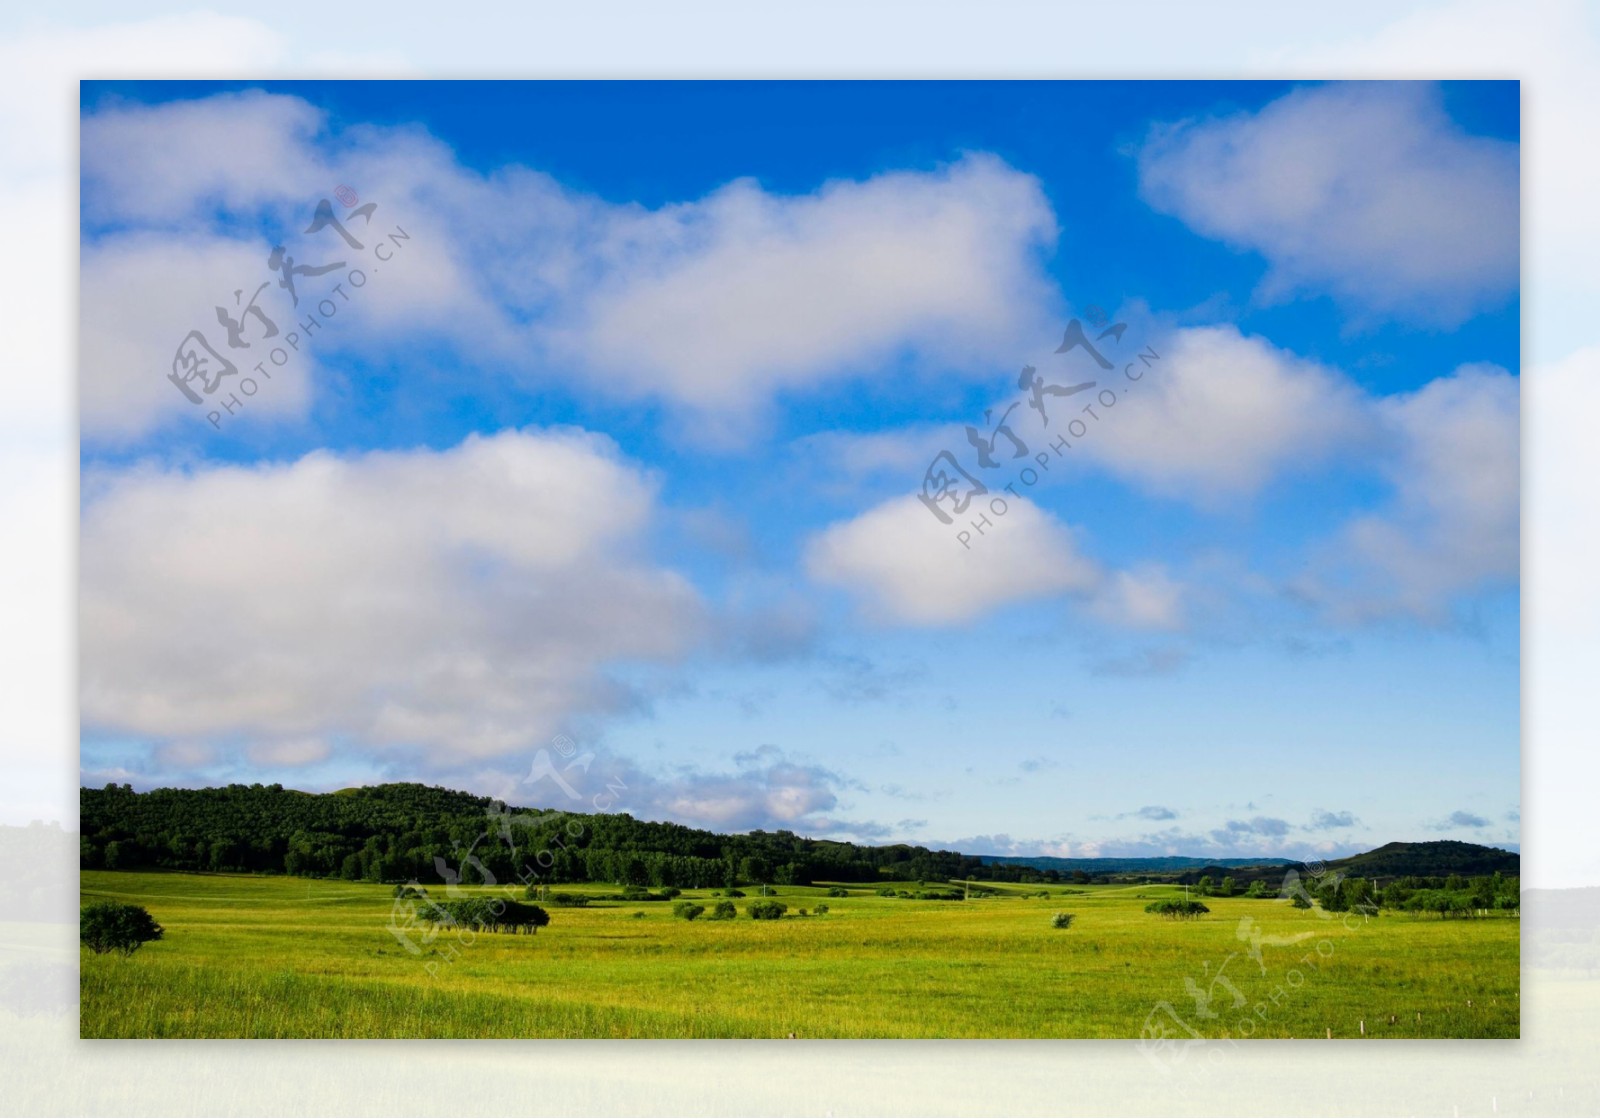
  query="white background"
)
[{"x": 1553, "y": 47}]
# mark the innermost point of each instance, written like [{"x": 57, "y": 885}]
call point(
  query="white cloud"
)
[
  {"x": 142, "y": 295},
  {"x": 1453, "y": 526},
  {"x": 1146, "y": 598},
  {"x": 1368, "y": 191},
  {"x": 1223, "y": 413},
  {"x": 905, "y": 566},
  {"x": 459, "y": 603},
  {"x": 723, "y": 302},
  {"x": 712, "y": 306}
]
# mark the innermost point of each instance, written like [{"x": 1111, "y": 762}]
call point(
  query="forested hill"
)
[
  {"x": 394, "y": 833},
  {"x": 1440, "y": 857}
]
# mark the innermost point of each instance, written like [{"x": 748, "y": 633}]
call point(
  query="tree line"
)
[{"x": 410, "y": 832}]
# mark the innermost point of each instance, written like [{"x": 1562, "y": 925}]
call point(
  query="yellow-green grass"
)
[{"x": 287, "y": 957}]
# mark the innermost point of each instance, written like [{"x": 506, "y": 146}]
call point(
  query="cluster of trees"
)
[
  {"x": 1450, "y": 896},
  {"x": 401, "y": 832},
  {"x": 1177, "y": 909},
  {"x": 485, "y": 914}
]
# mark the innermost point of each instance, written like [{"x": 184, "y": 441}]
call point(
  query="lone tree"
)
[
  {"x": 109, "y": 926},
  {"x": 1062, "y": 921}
]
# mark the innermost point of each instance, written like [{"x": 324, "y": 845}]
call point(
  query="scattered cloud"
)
[
  {"x": 1269, "y": 826},
  {"x": 1152, "y": 812},
  {"x": 1161, "y": 660},
  {"x": 1323, "y": 820},
  {"x": 1460, "y": 819},
  {"x": 1367, "y": 191}
]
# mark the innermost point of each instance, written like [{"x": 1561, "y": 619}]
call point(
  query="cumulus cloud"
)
[
  {"x": 142, "y": 295},
  {"x": 458, "y": 604},
  {"x": 905, "y": 566},
  {"x": 1365, "y": 190},
  {"x": 1452, "y": 456},
  {"x": 1227, "y": 413},
  {"x": 711, "y": 305}
]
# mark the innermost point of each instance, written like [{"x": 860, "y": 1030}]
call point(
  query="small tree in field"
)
[
  {"x": 1061, "y": 921},
  {"x": 766, "y": 910},
  {"x": 724, "y": 911},
  {"x": 108, "y": 926}
]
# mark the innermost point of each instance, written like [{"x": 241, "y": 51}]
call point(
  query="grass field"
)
[{"x": 294, "y": 958}]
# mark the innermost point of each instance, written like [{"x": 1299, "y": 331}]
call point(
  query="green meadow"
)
[{"x": 281, "y": 957}]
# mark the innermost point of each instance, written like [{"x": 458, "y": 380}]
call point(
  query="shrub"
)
[
  {"x": 724, "y": 911},
  {"x": 569, "y": 901},
  {"x": 1300, "y": 901},
  {"x": 688, "y": 910},
  {"x": 410, "y": 890},
  {"x": 1177, "y": 910},
  {"x": 888, "y": 892},
  {"x": 109, "y": 926},
  {"x": 635, "y": 893},
  {"x": 820, "y": 910},
  {"x": 670, "y": 892},
  {"x": 838, "y": 892},
  {"x": 1062, "y": 921},
  {"x": 639, "y": 913},
  {"x": 733, "y": 893},
  {"x": 802, "y": 911},
  {"x": 766, "y": 910}
]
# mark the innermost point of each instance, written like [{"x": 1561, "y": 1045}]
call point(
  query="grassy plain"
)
[{"x": 275, "y": 957}]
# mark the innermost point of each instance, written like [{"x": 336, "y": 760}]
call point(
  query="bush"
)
[
  {"x": 670, "y": 892},
  {"x": 802, "y": 911},
  {"x": 1177, "y": 910},
  {"x": 888, "y": 892},
  {"x": 1062, "y": 921},
  {"x": 569, "y": 901},
  {"x": 409, "y": 890},
  {"x": 688, "y": 910},
  {"x": 635, "y": 893},
  {"x": 820, "y": 910},
  {"x": 733, "y": 893},
  {"x": 639, "y": 913},
  {"x": 724, "y": 911},
  {"x": 109, "y": 926},
  {"x": 838, "y": 892},
  {"x": 766, "y": 910},
  {"x": 1300, "y": 901}
]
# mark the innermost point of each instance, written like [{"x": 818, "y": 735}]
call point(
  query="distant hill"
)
[
  {"x": 1165, "y": 864},
  {"x": 1434, "y": 858}
]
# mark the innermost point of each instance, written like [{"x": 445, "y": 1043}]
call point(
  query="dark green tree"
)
[{"x": 109, "y": 926}]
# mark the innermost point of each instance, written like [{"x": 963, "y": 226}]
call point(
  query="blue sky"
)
[{"x": 622, "y": 442}]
